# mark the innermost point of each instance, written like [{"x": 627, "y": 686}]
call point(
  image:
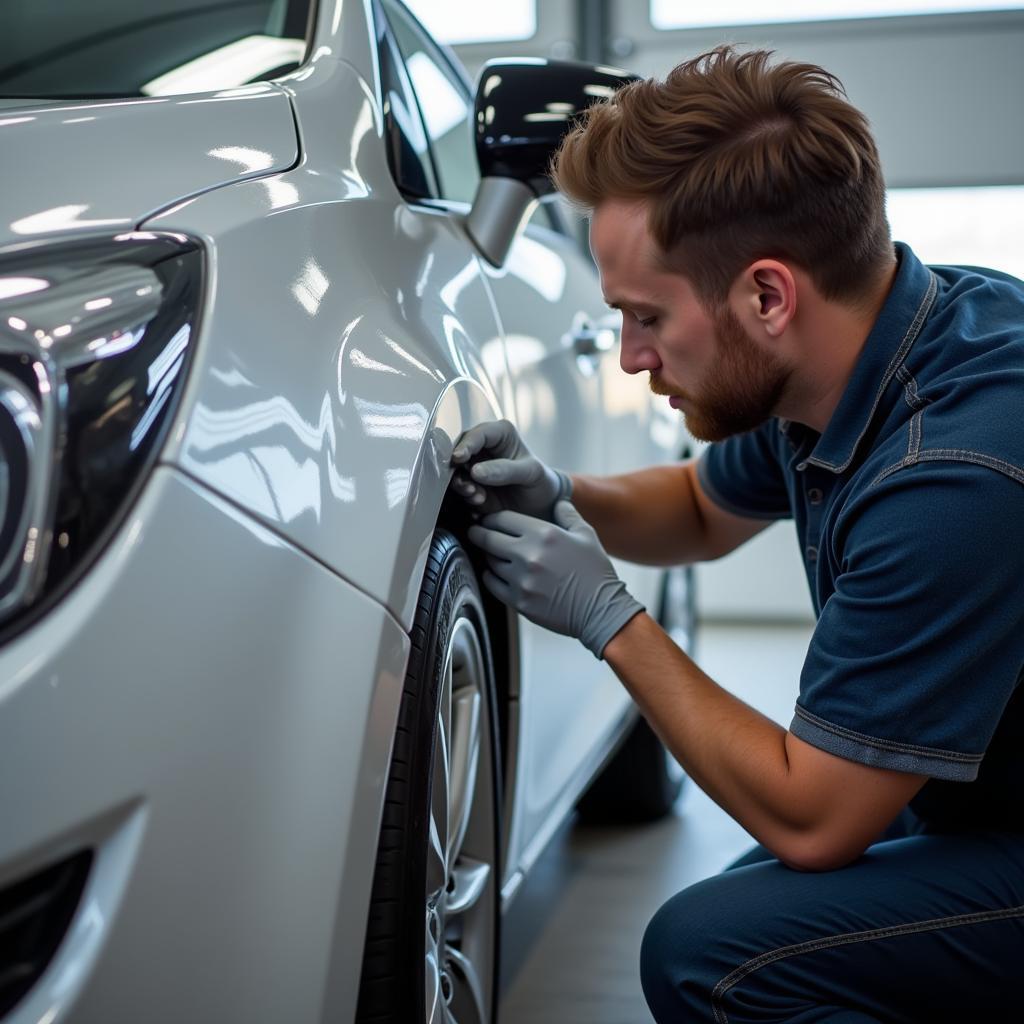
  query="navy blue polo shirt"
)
[{"x": 909, "y": 510}]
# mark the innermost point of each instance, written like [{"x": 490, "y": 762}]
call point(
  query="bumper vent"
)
[{"x": 34, "y": 915}]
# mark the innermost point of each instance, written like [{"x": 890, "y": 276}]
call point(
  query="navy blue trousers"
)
[{"x": 921, "y": 928}]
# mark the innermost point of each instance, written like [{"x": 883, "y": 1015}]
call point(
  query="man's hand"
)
[
  {"x": 556, "y": 574},
  {"x": 501, "y": 473}
]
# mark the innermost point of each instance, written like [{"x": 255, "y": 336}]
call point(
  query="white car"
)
[{"x": 267, "y": 751}]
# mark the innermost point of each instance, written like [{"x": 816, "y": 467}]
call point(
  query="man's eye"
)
[{"x": 646, "y": 321}]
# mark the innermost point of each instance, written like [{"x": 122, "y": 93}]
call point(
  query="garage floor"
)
[{"x": 572, "y": 938}]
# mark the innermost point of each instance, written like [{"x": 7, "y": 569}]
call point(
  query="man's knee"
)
[{"x": 677, "y": 964}]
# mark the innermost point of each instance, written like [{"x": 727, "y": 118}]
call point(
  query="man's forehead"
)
[
  {"x": 625, "y": 252},
  {"x": 617, "y": 224},
  {"x": 634, "y": 279},
  {"x": 635, "y": 285}
]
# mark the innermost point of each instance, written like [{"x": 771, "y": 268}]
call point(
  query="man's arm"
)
[
  {"x": 660, "y": 516},
  {"x": 813, "y": 810}
]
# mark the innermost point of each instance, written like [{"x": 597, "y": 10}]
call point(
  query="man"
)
[{"x": 738, "y": 223}]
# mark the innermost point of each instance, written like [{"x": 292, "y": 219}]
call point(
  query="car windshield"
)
[{"x": 80, "y": 49}]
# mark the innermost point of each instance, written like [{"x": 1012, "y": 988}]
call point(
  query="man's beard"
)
[{"x": 743, "y": 392}]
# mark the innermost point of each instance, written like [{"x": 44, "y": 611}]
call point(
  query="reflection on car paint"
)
[
  {"x": 405, "y": 354},
  {"x": 539, "y": 267},
  {"x": 311, "y": 286},
  {"x": 406, "y": 421},
  {"x": 357, "y": 357},
  {"x": 247, "y": 159},
  {"x": 255, "y": 136},
  {"x": 458, "y": 341},
  {"x": 397, "y": 484},
  {"x": 281, "y": 194},
  {"x": 421, "y": 280},
  {"x": 62, "y": 218},
  {"x": 451, "y": 291}
]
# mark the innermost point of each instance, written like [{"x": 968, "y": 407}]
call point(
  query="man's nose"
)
[{"x": 636, "y": 353}]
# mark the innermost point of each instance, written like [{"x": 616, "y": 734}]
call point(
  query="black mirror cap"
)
[{"x": 524, "y": 108}]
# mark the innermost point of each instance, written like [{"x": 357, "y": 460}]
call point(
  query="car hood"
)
[{"x": 71, "y": 166}]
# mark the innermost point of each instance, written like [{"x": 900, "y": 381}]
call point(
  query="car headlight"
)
[{"x": 94, "y": 341}]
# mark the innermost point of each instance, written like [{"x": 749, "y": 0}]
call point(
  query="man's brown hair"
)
[{"x": 740, "y": 160}]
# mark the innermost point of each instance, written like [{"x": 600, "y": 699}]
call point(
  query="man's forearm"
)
[
  {"x": 812, "y": 808},
  {"x": 649, "y": 516},
  {"x": 733, "y": 752}
]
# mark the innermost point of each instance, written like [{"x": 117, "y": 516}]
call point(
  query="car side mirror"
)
[{"x": 523, "y": 109}]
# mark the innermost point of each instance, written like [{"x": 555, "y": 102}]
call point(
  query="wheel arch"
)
[{"x": 463, "y": 404}]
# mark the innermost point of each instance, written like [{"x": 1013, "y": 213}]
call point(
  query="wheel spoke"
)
[
  {"x": 458, "y": 881},
  {"x": 468, "y": 999},
  {"x": 470, "y": 878},
  {"x": 437, "y": 863},
  {"x": 465, "y": 758},
  {"x": 440, "y": 792},
  {"x": 437, "y": 1011}
]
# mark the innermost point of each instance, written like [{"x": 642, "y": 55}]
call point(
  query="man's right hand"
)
[{"x": 496, "y": 471}]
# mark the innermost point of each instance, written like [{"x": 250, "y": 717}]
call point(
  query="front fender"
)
[{"x": 344, "y": 346}]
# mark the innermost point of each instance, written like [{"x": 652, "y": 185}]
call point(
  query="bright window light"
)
[
  {"x": 442, "y": 105},
  {"x": 228, "y": 66},
  {"x": 470, "y": 21},
  {"x": 980, "y": 227},
  {"x": 667, "y": 14}
]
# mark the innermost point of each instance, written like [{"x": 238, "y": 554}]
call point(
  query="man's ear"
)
[{"x": 767, "y": 296}]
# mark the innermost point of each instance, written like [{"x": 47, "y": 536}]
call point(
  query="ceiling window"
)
[
  {"x": 980, "y": 227},
  {"x": 670, "y": 14},
  {"x": 469, "y": 21}
]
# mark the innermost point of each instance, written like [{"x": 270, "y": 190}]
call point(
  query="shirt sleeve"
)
[
  {"x": 743, "y": 474},
  {"x": 920, "y": 646}
]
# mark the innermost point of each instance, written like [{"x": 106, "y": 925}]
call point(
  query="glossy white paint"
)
[
  {"x": 101, "y": 166},
  {"x": 345, "y": 31},
  {"x": 248, "y": 889},
  {"x": 329, "y": 408},
  {"x": 115, "y": 838}
]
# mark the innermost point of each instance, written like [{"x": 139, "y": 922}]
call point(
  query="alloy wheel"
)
[{"x": 461, "y": 854}]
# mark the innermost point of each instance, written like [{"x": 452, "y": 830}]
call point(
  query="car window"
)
[
  {"x": 71, "y": 49},
  {"x": 445, "y": 102},
  {"x": 409, "y": 158}
]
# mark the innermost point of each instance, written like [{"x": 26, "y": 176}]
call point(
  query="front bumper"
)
[{"x": 211, "y": 712}]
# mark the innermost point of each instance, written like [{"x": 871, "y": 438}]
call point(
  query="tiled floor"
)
[{"x": 572, "y": 938}]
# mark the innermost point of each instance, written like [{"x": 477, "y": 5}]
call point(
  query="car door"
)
[
  {"x": 549, "y": 304},
  {"x": 560, "y": 346}
]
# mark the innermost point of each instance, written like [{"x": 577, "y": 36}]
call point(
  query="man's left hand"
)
[{"x": 556, "y": 574}]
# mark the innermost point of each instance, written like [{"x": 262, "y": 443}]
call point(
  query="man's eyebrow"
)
[{"x": 630, "y": 303}]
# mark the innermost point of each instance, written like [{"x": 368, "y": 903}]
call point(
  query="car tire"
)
[
  {"x": 431, "y": 942},
  {"x": 642, "y": 780}
]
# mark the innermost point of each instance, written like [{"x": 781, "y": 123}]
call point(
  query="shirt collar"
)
[{"x": 898, "y": 324}]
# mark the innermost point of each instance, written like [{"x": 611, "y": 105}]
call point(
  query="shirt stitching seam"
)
[
  {"x": 914, "y": 443},
  {"x": 910, "y": 395},
  {"x": 848, "y": 938},
  {"x": 889, "y": 745},
  {"x": 953, "y": 455},
  {"x": 908, "y": 340}
]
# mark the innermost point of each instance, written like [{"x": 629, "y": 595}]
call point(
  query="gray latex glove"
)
[
  {"x": 497, "y": 471},
  {"x": 556, "y": 574}
]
